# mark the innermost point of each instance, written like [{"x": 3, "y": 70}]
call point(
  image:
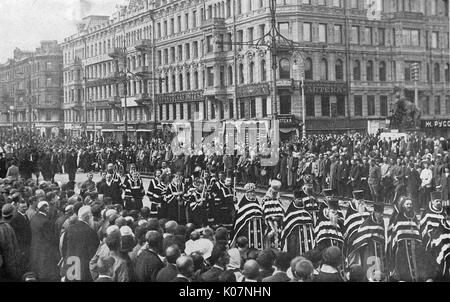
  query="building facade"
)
[
  {"x": 206, "y": 60},
  {"x": 31, "y": 90}
]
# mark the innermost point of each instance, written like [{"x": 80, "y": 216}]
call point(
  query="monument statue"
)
[{"x": 404, "y": 113}]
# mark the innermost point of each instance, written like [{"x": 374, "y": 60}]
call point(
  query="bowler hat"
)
[{"x": 8, "y": 210}]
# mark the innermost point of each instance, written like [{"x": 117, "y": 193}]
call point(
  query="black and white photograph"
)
[{"x": 224, "y": 141}]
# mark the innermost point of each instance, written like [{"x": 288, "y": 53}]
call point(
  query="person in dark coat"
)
[
  {"x": 111, "y": 189},
  {"x": 71, "y": 165},
  {"x": 80, "y": 241},
  {"x": 9, "y": 247},
  {"x": 219, "y": 260},
  {"x": 3, "y": 167},
  {"x": 44, "y": 247},
  {"x": 413, "y": 182},
  {"x": 185, "y": 266},
  {"x": 21, "y": 225},
  {"x": 148, "y": 262},
  {"x": 170, "y": 271},
  {"x": 282, "y": 263}
]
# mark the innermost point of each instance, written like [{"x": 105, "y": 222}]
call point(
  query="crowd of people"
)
[{"x": 194, "y": 227}]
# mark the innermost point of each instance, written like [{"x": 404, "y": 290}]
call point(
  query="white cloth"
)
[
  {"x": 426, "y": 176},
  {"x": 202, "y": 245}
]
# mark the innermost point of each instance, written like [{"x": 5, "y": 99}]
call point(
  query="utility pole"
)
[
  {"x": 125, "y": 88},
  {"x": 347, "y": 58},
  {"x": 303, "y": 108},
  {"x": 274, "y": 32},
  {"x": 235, "y": 101}
]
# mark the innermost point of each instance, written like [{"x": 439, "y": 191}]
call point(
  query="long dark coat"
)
[
  {"x": 80, "y": 241},
  {"x": 44, "y": 248}
]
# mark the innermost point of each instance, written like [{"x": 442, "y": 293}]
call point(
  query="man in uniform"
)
[
  {"x": 297, "y": 236},
  {"x": 330, "y": 223},
  {"x": 273, "y": 214},
  {"x": 367, "y": 248},
  {"x": 249, "y": 219},
  {"x": 356, "y": 214}
]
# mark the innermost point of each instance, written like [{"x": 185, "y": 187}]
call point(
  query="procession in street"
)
[{"x": 229, "y": 141}]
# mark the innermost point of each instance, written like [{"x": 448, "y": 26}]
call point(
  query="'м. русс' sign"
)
[{"x": 436, "y": 124}]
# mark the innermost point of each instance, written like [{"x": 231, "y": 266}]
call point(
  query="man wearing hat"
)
[
  {"x": 88, "y": 186},
  {"x": 356, "y": 214},
  {"x": 330, "y": 222},
  {"x": 9, "y": 247},
  {"x": 297, "y": 236},
  {"x": 273, "y": 214},
  {"x": 44, "y": 245},
  {"x": 21, "y": 225},
  {"x": 71, "y": 165},
  {"x": 249, "y": 219},
  {"x": 431, "y": 217},
  {"x": 367, "y": 248}
]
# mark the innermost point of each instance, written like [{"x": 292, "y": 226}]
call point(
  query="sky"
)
[{"x": 24, "y": 23}]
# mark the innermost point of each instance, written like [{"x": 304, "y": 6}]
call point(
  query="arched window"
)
[
  {"x": 369, "y": 71},
  {"x": 188, "y": 81},
  {"x": 251, "y": 71},
  {"x": 308, "y": 69},
  {"x": 324, "y": 69},
  {"x": 356, "y": 71},
  {"x": 382, "y": 71},
  {"x": 285, "y": 69},
  {"x": 241, "y": 73},
  {"x": 230, "y": 75},
  {"x": 263, "y": 71},
  {"x": 167, "y": 83},
  {"x": 339, "y": 70},
  {"x": 437, "y": 73}
]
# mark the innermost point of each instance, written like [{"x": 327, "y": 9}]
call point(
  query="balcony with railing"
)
[
  {"x": 214, "y": 22},
  {"x": 143, "y": 45},
  {"x": 116, "y": 52}
]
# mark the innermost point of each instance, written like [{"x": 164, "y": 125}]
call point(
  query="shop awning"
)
[{"x": 287, "y": 130}]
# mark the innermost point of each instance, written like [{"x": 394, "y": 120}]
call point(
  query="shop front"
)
[{"x": 436, "y": 127}]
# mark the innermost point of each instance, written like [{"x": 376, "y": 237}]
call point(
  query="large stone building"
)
[
  {"x": 184, "y": 67},
  {"x": 31, "y": 90}
]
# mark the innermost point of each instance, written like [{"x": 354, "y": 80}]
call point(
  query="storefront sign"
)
[
  {"x": 288, "y": 121},
  {"x": 436, "y": 124},
  {"x": 253, "y": 90},
  {"x": 179, "y": 97},
  {"x": 325, "y": 88}
]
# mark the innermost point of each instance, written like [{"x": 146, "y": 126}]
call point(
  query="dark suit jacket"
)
[
  {"x": 21, "y": 226},
  {"x": 112, "y": 191},
  {"x": 80, "y": 241},
  {"x": 147, "y": 266},
  {"x": 413, "y": 181},
  {"x": 278, "y": 277},
  {"x": 211, "y": 275},
  {"x": 71, "y": 163},
  {"x": 167, "y": 274}
]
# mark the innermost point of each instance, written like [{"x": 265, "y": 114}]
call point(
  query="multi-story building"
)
[
  {"x": 205, "y": 60},
  {"x": 31, "y": 89}
]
